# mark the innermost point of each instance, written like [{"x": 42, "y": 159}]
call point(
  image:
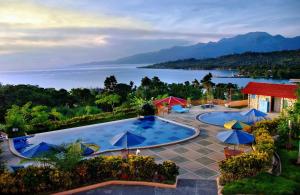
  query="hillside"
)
[
  {"x": 279, "y": 64},
  {"x": 253, "y": 41}
]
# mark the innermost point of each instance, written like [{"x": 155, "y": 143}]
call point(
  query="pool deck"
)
[{"x": 197, "y": 158}]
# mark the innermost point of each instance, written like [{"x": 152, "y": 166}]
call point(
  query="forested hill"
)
[{"x": 278, "y": 64}]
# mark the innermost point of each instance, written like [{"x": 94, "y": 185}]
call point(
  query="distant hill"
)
[
  {"x": 253, "y": 41},
  {"x": 278, "y": 64}
]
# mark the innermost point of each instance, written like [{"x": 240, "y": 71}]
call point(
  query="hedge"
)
[
  {"x": 81, "y": 120},
  {"x": 268, "y": 125},
  {"x": 250, "y": 164},
  {"x": 46, "y": 179}
]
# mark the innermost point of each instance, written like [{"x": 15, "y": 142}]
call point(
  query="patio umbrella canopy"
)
[
  {"x": 253, "y": 116},
  {"x": 234, "y": 124},
  {"x": 127, "y": 139},
  {"x": 235, "y": 137},
  {"x": 40, "y": 150},
  {"x": 171, "y": 101},
  {"x": 86, "y": 148}
]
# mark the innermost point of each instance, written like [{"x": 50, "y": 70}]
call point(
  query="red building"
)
[{"x": 270, "y": 97}]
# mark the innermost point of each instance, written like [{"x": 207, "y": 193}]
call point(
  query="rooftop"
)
[{"x": 271, "y": 89}]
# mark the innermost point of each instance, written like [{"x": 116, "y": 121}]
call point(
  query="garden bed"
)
[{"x": 264, "y": 183}]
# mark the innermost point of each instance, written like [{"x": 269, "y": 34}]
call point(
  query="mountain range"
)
[{"x": 252, "y": 41}]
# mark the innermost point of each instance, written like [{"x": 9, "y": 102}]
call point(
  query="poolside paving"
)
[
  {"x": 184, "y": 187},
  {"x": 197, "y": 158}
]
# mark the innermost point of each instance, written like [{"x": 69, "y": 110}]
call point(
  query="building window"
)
[
  {"x": 285, "y": 104},
  {"x": 253, "y": 96}
]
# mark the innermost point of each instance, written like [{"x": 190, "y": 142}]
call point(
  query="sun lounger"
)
[
  {"x": 179, "y": 109},
  {"x": 204, "y": 106}
]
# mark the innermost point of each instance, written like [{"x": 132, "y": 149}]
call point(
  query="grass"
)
[{"x": 287, "y": 183}]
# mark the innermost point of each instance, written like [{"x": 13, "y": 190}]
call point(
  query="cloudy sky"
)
[{"x": 55, "y": 33}]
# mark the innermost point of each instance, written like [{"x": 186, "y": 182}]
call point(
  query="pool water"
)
[
  {"x": 155, "y": 130},
  {"x": 220, "y": 118}
]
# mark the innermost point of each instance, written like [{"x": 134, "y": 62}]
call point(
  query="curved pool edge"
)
[
  {"x": 13, "y": 149},
  {"x": 197, "y": 117},
  {"x": 196, "y": 130}
]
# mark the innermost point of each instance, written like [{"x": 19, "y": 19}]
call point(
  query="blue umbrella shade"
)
[
  {"x": 40, "y": 150},
  {"x": 86, "y": 149},
  {"x": 127, "y": 139},
  {"x": 235, "y": 137},
  {"x": 253, "y": 115}
]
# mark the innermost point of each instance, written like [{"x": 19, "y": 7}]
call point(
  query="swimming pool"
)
[
  {"x": 220, "y": 117},
  {"x": 157, "y": 131}
]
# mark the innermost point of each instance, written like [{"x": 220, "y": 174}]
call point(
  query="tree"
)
[
  {"x": 110, "y": 83},
  {"x": 122, "y": 90},
  {"x": 111, "y": 100},
  {"x": 15, "y": 121},
  {"x": 208, "y": 85},
  {"x": 297, "y": 118},
  {"x": 229, "y": 87},
  {"x": 39, "y": 114},
  {"x": 55, "y": 115},
  {"x": 82, "y": 96},
  {"x": 146, "y": 82},
  {"x": 196, "y": 83}
]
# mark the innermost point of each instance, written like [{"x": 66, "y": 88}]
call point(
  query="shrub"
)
[
  {"x": 36, "y": 180},
  {"x": 147, "y": 110},
  {"x": 250, "y": 164},
  {"x": 83, "y": 120},
  {"x": 269, "y": 125},
  {"x": 264, "y": 141},
  {"x": 244, "y": 165}
]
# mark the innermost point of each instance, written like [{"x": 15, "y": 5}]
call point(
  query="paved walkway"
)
[
  {"x": 197, "y": 158},
  {"x": 184, "y": 187}
]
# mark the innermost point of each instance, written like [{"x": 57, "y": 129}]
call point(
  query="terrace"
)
[{"x": 197, "y": 158}]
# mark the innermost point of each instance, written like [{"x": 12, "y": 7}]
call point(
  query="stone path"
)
[{"x": 184, "y": 187}]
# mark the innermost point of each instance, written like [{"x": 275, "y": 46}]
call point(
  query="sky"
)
[{"x": 38, "y": 34}]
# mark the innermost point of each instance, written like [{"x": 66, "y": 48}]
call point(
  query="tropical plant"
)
[
  {"x": 65, "y": 160},
  {"x": 111, "y": 100}
]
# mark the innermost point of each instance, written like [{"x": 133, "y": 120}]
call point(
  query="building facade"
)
[{"x": 269, "y": 97}]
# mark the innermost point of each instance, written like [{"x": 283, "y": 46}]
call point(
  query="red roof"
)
[
  {"x": 271, "y": 89},
  {"x": 171, "y": 101}
]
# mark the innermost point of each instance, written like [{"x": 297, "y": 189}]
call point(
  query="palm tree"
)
[{"x": 208, "y": 85}]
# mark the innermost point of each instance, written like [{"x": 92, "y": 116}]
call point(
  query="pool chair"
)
[
  {"x": 204, "y": 106},
  {"x": 179, "y": 109}
]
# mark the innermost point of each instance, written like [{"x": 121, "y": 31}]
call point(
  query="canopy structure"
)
[
  {"x": 41, "y": 149},
  {"x": 86, "y": 148},
  {"x": 234, "y": 124},
  {"x": 171, "y": 101},
  {"x": 127, "y": 139},
  {"x": 253, "y": 116},
  {"x": 235, "y": 137}
]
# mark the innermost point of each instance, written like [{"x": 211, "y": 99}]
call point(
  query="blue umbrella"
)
[
  {"x": 86, "y": 148},
  {"x": 40, "y": 150},
  {"x": 235, "y": 137},
  {"x": 253, "y": 115},
  {"x": 127, "y": 139}
]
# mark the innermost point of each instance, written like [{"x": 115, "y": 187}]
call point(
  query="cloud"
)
[
  {"x": 29, "y": 15},
  {"x": 57, "y": 32}
]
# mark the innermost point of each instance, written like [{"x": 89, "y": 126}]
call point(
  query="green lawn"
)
[{"x": 287, "y": 183}]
